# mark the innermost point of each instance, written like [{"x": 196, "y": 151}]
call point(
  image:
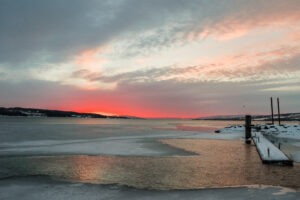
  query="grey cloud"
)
[
  {"x": 284, "y": 67},
  {"x": 85, "y": 74},
  {"x": 2, "y": 75},
  {"x": 213, "y": 17},
  {"x": 37, "y": 31},
  {"x": 166, "y": 97},
  {"x": 54, "y": 30}
]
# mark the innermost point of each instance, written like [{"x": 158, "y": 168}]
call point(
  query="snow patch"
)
[{"x": 287, "y": 130}]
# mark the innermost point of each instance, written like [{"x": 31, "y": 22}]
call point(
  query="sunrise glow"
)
[{"x": 159, "y": 59}]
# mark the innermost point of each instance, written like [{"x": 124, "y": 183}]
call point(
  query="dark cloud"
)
[
  {"x": 55, "y": 30},
  {"x": 33, "y": 29},
  {"x": 40, "y": 30}
]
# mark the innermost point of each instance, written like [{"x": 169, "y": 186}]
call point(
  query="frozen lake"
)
[{"x": 76, "y": 155}]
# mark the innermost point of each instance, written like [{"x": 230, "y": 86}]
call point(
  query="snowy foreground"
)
[
  {"x": 39, "y": 188},
  {"x": 268, "y": 138}
]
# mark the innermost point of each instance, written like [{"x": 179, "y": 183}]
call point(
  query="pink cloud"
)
[
  {"x": 90, "y": 60},
  {"x": 142, "y": 60},
  {"x": 279, "y": 14}
]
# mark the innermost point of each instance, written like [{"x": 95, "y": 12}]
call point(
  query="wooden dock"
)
[{"x": 268, "y": 152}]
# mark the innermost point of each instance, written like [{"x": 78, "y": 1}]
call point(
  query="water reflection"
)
[
  {"x": 220, "y": 163},
  {"x": 86, "y": 169}
]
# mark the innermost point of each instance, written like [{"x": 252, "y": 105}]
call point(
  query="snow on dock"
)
[
  {"x": 259, "y": 131},
  {"x": 268, "y": 152}
]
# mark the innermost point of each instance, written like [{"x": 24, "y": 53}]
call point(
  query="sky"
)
[{"x": 150, "y": 58}]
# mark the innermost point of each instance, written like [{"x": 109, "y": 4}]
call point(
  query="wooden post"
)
[
  {"x": 248, "y": 129},
  {"x": 272, "y": 110},
  {"x": 278, "y": 106}
]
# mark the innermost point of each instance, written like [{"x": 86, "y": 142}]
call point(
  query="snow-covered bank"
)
[
  {"x": 284, "y": 131},
  {"x": 238, "y": 129}
]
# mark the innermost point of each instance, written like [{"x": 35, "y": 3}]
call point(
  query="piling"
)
[
  {"x": 248, "y": 129},
  {"x": 272, "y": 110},
  {"x": 278, "y": 107}
]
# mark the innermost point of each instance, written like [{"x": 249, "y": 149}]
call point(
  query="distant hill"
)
[
  {"x": 33, "y": 112},
  {"x": 283, "y": 117}
]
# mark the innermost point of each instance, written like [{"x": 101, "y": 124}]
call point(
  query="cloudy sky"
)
[{"x": 150, "y": 58}]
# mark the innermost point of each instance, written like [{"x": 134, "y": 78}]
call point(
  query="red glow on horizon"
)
[{"x": 117, "y": 111}]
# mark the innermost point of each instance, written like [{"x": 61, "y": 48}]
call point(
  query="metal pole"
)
[
  {"x": 278, "y": 106},
  {"x": 272, "y": 110}
]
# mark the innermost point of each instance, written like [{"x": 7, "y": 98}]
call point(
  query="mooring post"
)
[
  {"x": 278, "y": 106},
  {"x": 272, "y": 110},
  {"x": 248, "y": 129}
]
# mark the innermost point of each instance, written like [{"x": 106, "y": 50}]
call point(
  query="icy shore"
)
[
  {"x": 286, "y": 136},
  {"x": 43, "y": 188},
  {"x": 284, "y": 131},
  {"x": 69, "y": 139}
]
